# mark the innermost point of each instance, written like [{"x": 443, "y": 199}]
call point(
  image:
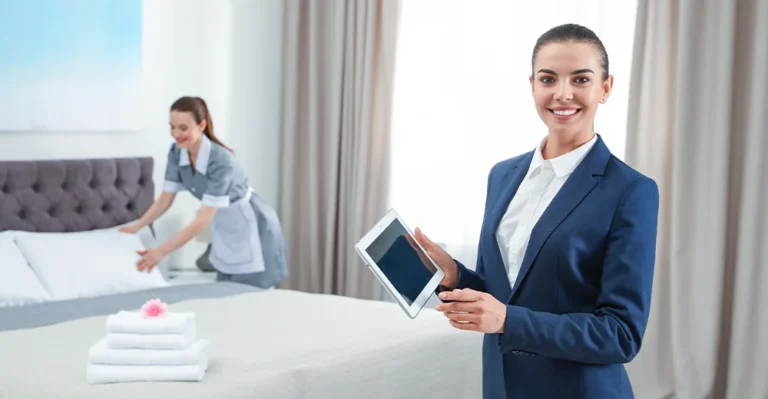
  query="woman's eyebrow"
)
[{"x": 576, "y": 72}]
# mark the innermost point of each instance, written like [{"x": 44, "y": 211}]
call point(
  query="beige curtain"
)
[
  {"x": 698, "y": 126},
  {"x": 339, "y": 60}
]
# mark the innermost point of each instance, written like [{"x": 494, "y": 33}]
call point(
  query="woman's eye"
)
[
  {"x": 582, "y": 80},
  {"x": 547, "y": 79}
]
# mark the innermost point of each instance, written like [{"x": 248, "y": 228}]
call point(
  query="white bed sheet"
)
[{"x": 273, "y": 344}]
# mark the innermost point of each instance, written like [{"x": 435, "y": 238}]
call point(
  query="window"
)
[{"x": 462, "y": 101}]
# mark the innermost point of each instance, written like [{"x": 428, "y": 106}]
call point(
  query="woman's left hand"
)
[
  {"x": 149, "y": 259},
  {"x": 474, "y": 311}
]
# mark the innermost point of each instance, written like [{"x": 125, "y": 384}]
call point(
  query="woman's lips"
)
[{"x": 564, "y": 114}]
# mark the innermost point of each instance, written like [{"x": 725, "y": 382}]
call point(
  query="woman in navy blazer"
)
[{"x": 562, "y": 286}]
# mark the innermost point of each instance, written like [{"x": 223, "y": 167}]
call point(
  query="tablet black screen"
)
[{"x": 400, "y": 259}]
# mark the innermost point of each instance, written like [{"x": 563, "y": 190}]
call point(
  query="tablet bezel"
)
[{"x": 411, "y": 310}]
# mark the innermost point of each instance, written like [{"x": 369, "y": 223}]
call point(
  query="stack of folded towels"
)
[{"x": 141, "y": 348}]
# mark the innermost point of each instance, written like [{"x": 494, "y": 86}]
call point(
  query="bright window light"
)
[{"x": 463, "y": 101}]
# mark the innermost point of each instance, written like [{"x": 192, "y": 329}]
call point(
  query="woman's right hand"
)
[
  {"x": 130, "y": 229},
  {"x": 442, "y": 258}
]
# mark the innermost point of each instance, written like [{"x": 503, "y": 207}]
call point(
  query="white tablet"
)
[{"x": 400, "y": 263}]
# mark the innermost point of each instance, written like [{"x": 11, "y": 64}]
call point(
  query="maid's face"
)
[{"x": 184, "y": 130}]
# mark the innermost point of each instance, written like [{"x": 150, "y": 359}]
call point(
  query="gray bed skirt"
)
[{"x": 48, "y": 313}]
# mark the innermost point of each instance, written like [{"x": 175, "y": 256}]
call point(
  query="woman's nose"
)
[{"x": 564, "y": 92}]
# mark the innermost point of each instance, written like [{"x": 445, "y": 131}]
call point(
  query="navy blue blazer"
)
[{"x": 579, "y": 307}]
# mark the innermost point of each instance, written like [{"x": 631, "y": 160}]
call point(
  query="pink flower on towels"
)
[{"x": 154, "y": 308}]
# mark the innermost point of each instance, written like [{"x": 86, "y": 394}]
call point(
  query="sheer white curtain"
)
[{"x": 462, "y": 101}]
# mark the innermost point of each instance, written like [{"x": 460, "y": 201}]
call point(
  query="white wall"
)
[
  {"x": 226, "y": 51},
  {"x": 256, "y": 98}
]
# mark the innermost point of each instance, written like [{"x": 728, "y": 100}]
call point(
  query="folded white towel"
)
[
  {"x": 150, "y": 341},
  {"x": 100, "y": 353},
  {"x": 135, "y": 323},
  {"x": 107, "y": 373}
]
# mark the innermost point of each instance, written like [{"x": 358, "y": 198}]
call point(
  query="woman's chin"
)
[{"x": 561, "y": 129}]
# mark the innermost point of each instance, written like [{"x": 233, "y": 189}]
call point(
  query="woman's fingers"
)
[
  {"x": 412, "y": 242},
  {"x": 433, "y": 250},
  {"x": 424, "y": 241},
  {"x": 465, "y": 295},
  {"x": 145, "y": 263},
  {"x": 464, "y": 326},
  {"x": 471, "y": 307},
  {"x": 128, "y": 229},
  {"x": 149, "y": 259},
  {"x": 463, "y": 317},
  {"x": 424, "y": 259},
  {"x": 147, "y": 267}
]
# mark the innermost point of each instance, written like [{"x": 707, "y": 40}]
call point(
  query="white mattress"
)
[{"x": 274, "y": 344}]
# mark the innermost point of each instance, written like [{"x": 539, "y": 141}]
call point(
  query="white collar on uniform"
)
[
  {"x": 202, "y": 157},
  {"x": 564, "y": 164}
]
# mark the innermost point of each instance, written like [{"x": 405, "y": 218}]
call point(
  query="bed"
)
[{"x": 264, "y": 344}]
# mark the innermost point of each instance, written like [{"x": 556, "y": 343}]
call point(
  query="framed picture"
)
[{"x": 72, "y": 65}]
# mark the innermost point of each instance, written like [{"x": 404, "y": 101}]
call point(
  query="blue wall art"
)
[{"x": 70, "y": 65}]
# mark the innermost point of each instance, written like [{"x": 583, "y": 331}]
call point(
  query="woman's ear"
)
[
  {"x": 607, "y": 88},
  {"x": 202, "y": 125}
]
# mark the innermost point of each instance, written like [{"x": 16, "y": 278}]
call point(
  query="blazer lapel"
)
[
  {"x": 510, "y": 182},
  {"x": 577, "y": 186}
]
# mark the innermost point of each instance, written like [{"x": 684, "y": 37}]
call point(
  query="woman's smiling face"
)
[
  {"x": 185, "y": 130},
  {"x": 568, "y": 84}
]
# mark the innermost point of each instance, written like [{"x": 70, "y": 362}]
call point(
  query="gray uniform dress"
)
[{"x": 247, "y": 243}]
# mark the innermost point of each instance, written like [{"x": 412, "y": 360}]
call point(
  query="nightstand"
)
[{"x": 180, "y": 277}]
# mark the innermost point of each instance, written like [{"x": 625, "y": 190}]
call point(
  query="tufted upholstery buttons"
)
[{"x": 72, "y": 195}]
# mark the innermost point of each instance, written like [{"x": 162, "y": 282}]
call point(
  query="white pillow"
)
[
  {"x": 18, "y": 283},
  {"x": 149, "y": 241},
  {"x": 87, "y": 264}
]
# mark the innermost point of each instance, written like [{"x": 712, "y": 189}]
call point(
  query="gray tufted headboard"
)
[{"x": 74, "y": 195}]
